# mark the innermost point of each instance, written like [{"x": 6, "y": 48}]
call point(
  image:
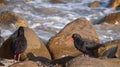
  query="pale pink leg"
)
[
  {"x": 14, "y": 58},
  {"x": 19, "y": 57},
  {"x": 86, "y": 56}
]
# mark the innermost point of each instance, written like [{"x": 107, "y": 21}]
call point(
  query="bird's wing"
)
[{"x": 92, "y": 46}]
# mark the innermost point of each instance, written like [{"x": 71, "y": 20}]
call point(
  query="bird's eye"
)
[{"x": 75, "y": 35}]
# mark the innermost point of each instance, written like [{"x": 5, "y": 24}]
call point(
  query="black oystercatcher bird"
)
[
  {"x": 89, "y": 48},
  {"x": 18, "y": 44}
]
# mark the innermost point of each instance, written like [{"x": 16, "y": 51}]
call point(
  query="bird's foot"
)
[
  {"x": 18, "y": 57},
  {"x": 85, "y": 56},
  {"x": 14, "y": 61}
]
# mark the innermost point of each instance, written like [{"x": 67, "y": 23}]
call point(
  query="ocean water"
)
[{"x": 47, "y": 19}]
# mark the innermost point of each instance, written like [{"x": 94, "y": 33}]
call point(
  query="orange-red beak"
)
[{"x": 69, "y": 40}]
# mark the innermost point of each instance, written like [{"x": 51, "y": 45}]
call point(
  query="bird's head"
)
[
  {"x": 75, "y": 35},
  {"x": 21, "y": 30}
]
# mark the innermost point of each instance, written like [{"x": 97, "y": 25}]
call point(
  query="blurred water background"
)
[{"x": 47, "y": 18}]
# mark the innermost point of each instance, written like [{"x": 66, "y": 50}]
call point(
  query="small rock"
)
[
  {"x": 95, "y": 4},
  {"x": 27, "y": 0},
  {"x": 57, "y": 1},
  {"x": 8, "y": 18},
  {"x": 3, "y": 2},
  {"x": 114, "y": 3},
  {"x": 113, "y": 18}
]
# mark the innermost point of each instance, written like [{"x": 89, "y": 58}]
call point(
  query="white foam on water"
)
[
  {"x": 68, "y": 12},
  {"x": 6, "y": 33},
  {"x": 35, "y": 25}
]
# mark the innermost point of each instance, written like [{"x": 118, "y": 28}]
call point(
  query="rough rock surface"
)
[
  {"x": 113, "y": 18},
  {"x": 93, "y": 62},
  {"x": 3, "y": 2},
  {"x": 59, "y": 48},
  {"x": 114, "y": 3},
  {"x": 57, "y": 1},
  {"x": 8, "y": 18},
  {"x": 95, "y": 4},
  {"x": 110, "y": 46}
]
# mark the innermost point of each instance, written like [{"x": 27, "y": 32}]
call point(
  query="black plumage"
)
[
  {"x": 88, "y": 47},
  {"x": 19, "y": 43}
]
